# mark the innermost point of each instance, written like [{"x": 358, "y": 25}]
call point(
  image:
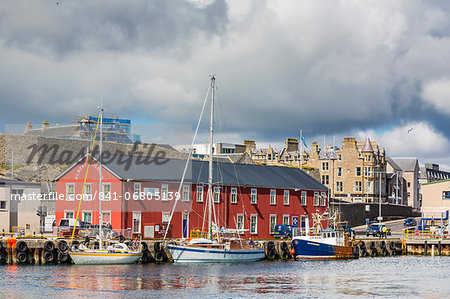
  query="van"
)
[{"x": 283, "y": 231}]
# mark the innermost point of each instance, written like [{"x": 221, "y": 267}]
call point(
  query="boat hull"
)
[
  {"x": 186, "y": 254},
  {"x": 314, "y": 249},
  {"x": 104, "y": 258}
]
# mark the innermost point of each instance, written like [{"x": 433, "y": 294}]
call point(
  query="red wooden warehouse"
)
[{"x": 138, "y": 197}]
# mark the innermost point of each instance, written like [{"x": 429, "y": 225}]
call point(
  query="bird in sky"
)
[{"x": 410, "y": 130}]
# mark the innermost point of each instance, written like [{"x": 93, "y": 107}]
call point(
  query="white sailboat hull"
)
[
  {"x": 101, "y": 257},
  {"x": 186, "y": 254}
]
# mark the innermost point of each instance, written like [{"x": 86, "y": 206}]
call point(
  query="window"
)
[
  {"x": 323, "y": 199},
  {"x": 339, "y": 171},
  {"x": 199, "y": 193},
  {"x": 367, "y": 158},
  {"x": 339, "y": 157},
  {"x": 325, "y": 179},
  {"x": 367, "y": 171},
  {"x": 358, "y": 186},
  {"x": 186, "y": 192},
  {"x": 106, "y": 215},
  {"x": 70, "y": 192},
  {"x": 304, "y": 200},
  {"x": 2, "y": 205},
  {"x": 316, "y": 199},
  {"x": 164, "y": 192},
  {"x": 273, "y": 197},
  {"x": 69, "y": 214},
  {"x": 136, "y": 222},
  {"x": 253, "y": 224},
  {"x": 286, "y": 197},
  {"x": 272, "y": 223},
  {"x": 339, "y": 187},
  {"x": 445, "y": 194},
  {"x": 368, "y": 186},
  {"x": 233, "y": 195},
  {"x": 358, "y": 171},
  {"x": 240, "y": 221},
  {"x": 254, "y": 197},
  {"x": 165, "y": 217},
  {"x": 324, "y": 166},
  {"x": 409, "y": 184},
  {"x": 216, "y": 194},
  {"x": 137, "y": 189},
  {"x": 286, "y": 219},
  {"x": 87, "y": 216},
  {"x": 269, "y": 157},
  {"x": 106, "y": 192},
  {"x": 87, "y": 192}
]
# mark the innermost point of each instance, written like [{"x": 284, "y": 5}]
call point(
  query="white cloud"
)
[
  {"x": 437, "y": 94},
  {"x": 422, "y": 141}
]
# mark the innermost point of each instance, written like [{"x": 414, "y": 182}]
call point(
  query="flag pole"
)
[{"x": 301, "y": 147}]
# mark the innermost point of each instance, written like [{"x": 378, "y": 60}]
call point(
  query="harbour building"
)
[{"x": 249, "y": 198}]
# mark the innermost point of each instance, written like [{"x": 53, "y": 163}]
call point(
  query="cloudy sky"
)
[{"x": 333, "y": 68}]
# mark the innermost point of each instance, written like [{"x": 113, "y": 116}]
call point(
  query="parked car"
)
[
  {"x": 374, "y": 229},
  {"x": 283, "y": 231},
  {"x": 441, "y": 230},
  {"x": 66, "y": 226},
  {"x": 409, "y": 222}
]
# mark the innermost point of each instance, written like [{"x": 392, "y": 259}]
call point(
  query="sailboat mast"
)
[
  {"x": 100, "y": 178},
  {"x": 211, "y": 130}
]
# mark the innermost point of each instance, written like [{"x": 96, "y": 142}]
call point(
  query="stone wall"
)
[
  {"x": 356, "y": 214},
  {"x": 38, "y": 158}
]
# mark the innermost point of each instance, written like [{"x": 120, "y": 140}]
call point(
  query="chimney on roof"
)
[
  {"x": 249, "y": 144},
  {"x": 28, "y": 127},
  {"x": 45, "y": 125},
  {"x": 291, "y": 144}
]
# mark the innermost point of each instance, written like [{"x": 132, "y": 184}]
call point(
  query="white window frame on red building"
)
[
  {"x": 106, "y": 196},
  {"x": 216, "y": 195},
  {"x": 104, "y": 213},
  {"x": 323, "y": 199},
  {"x": 304, "y": 199},
  {"x": 68, "y": 195},
  {"x": 233, "y": 195},
  {"x": 240, "y": 216},
  {"x": 254, "y": 228},
  {"x": 165, "y": 192},
  {"x": 186, "y": 192},
  {"x": 286, "y": 199},
  {"x": 272, "y": 229},
  {"x": 199, "y": 194},
  {"x": 165, "y": 217},
  {"x": 87, "y": 195},
  {"x": 273, "y": 197},
  {"x": 254, "y": 196},
  {"x": 316, "y": 199},
  {"x": 288, "y": 217},
  {"x": 140, "y": 222},
  {"x": 69, "y": 211}
]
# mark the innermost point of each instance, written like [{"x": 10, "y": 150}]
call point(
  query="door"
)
[
  {"x": 185, "y": 228},
  {"x": 295, "y": 221},
  {"x": 303, "y": 222}
]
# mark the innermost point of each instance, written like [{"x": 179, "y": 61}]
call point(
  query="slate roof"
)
[
  {"x": 393, "y": 164},
  {"x": 407, "y": 164},
  {"x": 367, "y": 146},
  {"x": 228, "y": 174}
]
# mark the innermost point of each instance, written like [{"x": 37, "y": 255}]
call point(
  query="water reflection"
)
[{"x": 389, "y": 277}]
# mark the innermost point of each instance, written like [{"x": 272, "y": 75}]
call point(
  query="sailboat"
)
[
  {"x": 214, "y": 249},
  {"x": 117, "y": 253}
]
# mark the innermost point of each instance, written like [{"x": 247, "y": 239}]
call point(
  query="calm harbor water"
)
[{"x": 406, "y": 276}]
